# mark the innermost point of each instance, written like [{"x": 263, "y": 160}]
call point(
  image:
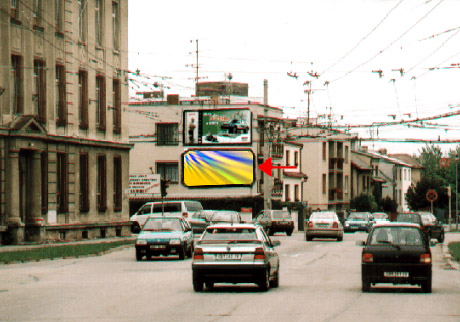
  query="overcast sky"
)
[{"x": 343, "y": 43}]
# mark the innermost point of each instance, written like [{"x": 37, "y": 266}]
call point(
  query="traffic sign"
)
[{"x": 431, "y": 195}]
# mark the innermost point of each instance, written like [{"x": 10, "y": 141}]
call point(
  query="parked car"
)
[
  {"x": 179, "y": 208},
  {"x": 411, "y": 217},
  {"x": 324, "y": 224},
  {"x": 200, "y": 220},
  {"x": 380, "y": 216},
  {"x": 165, "y": 236},
  {"x": 235, "y": 127},
  {"x": 358, "y": 221},
  {"x": 274, "y": 221},
  {"x": 235, "y": 253},
  {"x": 432, "y": 225},
  {"x": 396, "y": 253},
  {"x": 225, "y": 216}
]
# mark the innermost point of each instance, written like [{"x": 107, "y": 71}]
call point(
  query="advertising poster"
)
[
  {"x": 191, "y": 130},
  {"x": 218, "y": 168}
]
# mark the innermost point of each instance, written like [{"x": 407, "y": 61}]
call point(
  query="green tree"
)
[
  {"x": 388, "y": 205},
  {"x": 363, "y": 202},
  {"x": 430, "y": 158},
  {"x": 416, "y": 194}
]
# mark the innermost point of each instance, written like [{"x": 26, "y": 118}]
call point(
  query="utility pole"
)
[
  {"x": 308, "y": 101},
  {"x": 197, "y": 78},
  {"x": 266, "y": 150}
]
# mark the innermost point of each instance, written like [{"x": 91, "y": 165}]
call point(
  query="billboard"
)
[
  {"x": 218, "y": 168},
  {"x": 220, "y": 126}
]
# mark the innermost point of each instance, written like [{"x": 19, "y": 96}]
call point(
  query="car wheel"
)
[
  {"x": 366, "y": 285},
  {"x": 135, "y": 228},
  {"x": 209, "y": 285},
  {"x": 340, "y": 238},
  {"x": 426, "y": 286},
  {"x": 264, "y": 283},
  {"x": 276, "y": 281},
  {"x": 197, "y": 282},
  {"x": 182, "y": 253},
  {"x": 138, "y": 255},
  {"x": 441, "y": 238},
  {"x": 289, "y": 232}
]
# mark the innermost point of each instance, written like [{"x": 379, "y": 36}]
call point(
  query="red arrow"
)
[{"x": 267, "y": 167}]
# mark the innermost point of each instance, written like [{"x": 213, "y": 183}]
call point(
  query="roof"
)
[
  {"x": 293, "y": 174},
  {"x": 233, "y": 226},
  {"x": 376, "y": 155},
  {"x": 407, "y": 159},
  {"x": 394, "y": 224},
  {"x": 361, "y": 165}
]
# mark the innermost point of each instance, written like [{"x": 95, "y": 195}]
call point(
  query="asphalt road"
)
[{"x": 319, "y": 281}]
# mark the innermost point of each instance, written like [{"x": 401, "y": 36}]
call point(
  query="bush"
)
[{"x": 364, "y": 202}]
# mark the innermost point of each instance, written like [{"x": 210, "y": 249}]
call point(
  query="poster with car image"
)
[{"x": 218, "y": 126}]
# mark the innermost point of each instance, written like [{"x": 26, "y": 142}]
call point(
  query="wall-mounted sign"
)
[{"x": 144, "y": 185}]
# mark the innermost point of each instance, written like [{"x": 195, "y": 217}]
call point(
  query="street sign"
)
[
  {"x": 431, "y": 195},
  {"x": 144, "y": 185}
]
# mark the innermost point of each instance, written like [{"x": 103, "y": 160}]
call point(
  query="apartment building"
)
[
  {"x": 326, "y": 161},
  {"x": 166, "y": 131},
  {"x": 64, "y": 145}
]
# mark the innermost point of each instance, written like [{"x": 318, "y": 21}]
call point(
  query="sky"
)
[{"x": 369, "y": 62}]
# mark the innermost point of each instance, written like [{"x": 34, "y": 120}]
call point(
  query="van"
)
[{"x": 176, "y": 208}]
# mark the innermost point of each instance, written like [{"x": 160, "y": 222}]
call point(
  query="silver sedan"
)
[{"x": 324, "y": 224}]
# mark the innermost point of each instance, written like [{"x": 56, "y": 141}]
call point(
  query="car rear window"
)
[
  {"x": 403, "y": 236},
  {"x": 229, "y": 216},
  {"x": 281, "y": 214},
  {"x": 326, "y": 215},
  {"x": 412, "y": 218},
  {"x": 162, "y": 224},
  {"x": 193, "y": 206},
  {"x": 229, "y": 234},
  {"x": 357, "y": 217}
]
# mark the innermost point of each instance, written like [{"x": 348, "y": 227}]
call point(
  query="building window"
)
[
  {"x": 60, "y": 96},
  {"x": 346, "y": 184},
  {"x": 38, "y": 13},
  {"x": 39, "y": 95},
  {"x": 168, "y": 171},
  {"x": 17, "y": 81},
  {"x": 296, "y": 192},
  {"x": 83, "y": 99},
  {"x": 99, "y": 23},
  {"x": 296, "y": 158},
  {"x": 364, "y": 183},
  {"x": 62, "y": 182},
  {"x": 100, "y": 103},
  {"x": 84, "y": 182},
  {"x": 324, "y": 151},
  {"x": 116, "y": 25},
  {"x": 116, "y": 106},
  {"x": 82, "y": 20},
  {"x": 101, "y": 189},
  {"x": 59, "y": 15},
  {"x": 287, "y": 196},
  {"x": 346, "y": 154},
  {"x": 288, "y": 156},
  {"x": 14, "y": 10},
  {"x": 44, "y": 181},
  {"x": 167, "y": 133},
  {"x": 117, "y": 183},
  {"x": 324, "y": 184}
]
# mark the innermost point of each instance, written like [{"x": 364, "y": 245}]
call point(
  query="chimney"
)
[
  {"x": 172, "y": 99},
  {"x": 265, "y": 92}
]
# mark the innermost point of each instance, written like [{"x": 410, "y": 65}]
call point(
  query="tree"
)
[
  {"x": 430, "y": 159},
  {"x": 363, "y": 202},
  {"x": 416, "y": 194},
  {"x": 388, "y": 205}
]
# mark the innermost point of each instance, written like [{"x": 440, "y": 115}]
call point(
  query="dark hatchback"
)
[
  {"x": 273, "y": 221},
  {"x": 396, "y": 253}
]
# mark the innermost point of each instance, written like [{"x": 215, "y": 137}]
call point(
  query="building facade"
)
[{"x": 64, "y": 148}]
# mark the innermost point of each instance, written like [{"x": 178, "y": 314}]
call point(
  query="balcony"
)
[
  {"x": 335, "y": 194},
  {"x": 336, "y": 164}
]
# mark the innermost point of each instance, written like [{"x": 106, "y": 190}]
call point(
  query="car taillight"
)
[
  {"x": 310, "y": 224},
  {"x": 259, "y": 253},
  {"x": 367, "y": 258},
  {"x": 198, "y": 254},
  {"x": 185, "y": 214},
  {"x": 425, "y": 258},
  {"x": 335, "y": 225}
]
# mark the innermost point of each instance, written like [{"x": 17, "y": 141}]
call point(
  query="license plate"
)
[
  {"x": 395, "y": 274},
  {"x": 228, "y": 257},
  {"x": 157, "y": 246},
  {"x": 323, "y": 225}
]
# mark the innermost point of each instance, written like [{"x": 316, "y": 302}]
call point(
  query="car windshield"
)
[
  {"x": 281, "y": 214},
  {"x": 357, "y": 217},
  {"x": 168, "y": 207},
  {"x": 229, "y": 234},
  {"x": 402, "y": 236},
  {"x": 225, "y": 216},
  {"x": 412, "y": 218},
  {"x": 325, "y": 215},
  {"x": 162, "y": 224}
]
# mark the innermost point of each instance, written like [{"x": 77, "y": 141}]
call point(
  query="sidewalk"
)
[{"x": 450, "y": 237}]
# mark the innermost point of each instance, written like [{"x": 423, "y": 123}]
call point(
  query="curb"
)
[{"x": 447, "y": 255}]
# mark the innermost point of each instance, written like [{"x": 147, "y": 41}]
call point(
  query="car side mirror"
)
[
  {"x": 361, "y": 243},
  {"x": 276, "y": 243}
]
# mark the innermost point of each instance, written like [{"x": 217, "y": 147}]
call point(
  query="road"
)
[{"x": 319, "y": 281}]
